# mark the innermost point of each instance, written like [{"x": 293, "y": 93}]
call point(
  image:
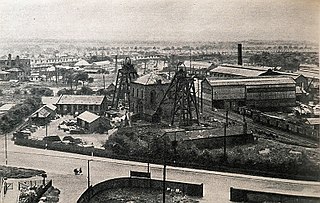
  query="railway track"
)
[{"x": 270, "y": 132}]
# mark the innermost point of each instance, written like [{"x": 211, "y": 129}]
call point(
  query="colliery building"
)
[
  {"x": 146, "y": 93},
  {"x": 256, "y": 92},
  {"x": 17, "y": 69},
  {"x": 70, "y": 104}
]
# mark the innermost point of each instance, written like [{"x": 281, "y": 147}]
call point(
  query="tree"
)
[
  {"x": 85, "y": 91},
  {"x": 65, "y": 92},
  {"x": 41, "y": 91}
]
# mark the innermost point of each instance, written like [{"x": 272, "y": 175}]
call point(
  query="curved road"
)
[{"x": 59, "y": 167}]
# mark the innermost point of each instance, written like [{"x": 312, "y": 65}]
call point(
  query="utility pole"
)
[
  {"x": 225, "y": 135},
  {"x": 148, "y": 157},
  {"x": 6, "y": 148},
  {"x": 164, "y": 171},
  {"x": 88, "y": 173},
  {"x": 225, "y": 141},
  {"x": 190, "y": 60},
  {"x": 46, "y": 129}
]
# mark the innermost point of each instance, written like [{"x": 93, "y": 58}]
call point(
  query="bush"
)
[
  {"x": 18, "y": 113},
  {"x": 65, "y": 92},
  {"x": 41, "y": 91}
]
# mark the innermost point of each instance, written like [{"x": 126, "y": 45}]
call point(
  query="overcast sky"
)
[{"x": 193, "y": 20}]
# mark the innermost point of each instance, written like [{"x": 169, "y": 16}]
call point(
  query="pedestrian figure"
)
[
  {"x": 80, "y": 171},
  {"x": 75, "y": 171}
]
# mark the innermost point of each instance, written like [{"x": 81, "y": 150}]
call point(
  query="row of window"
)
[{"x": 135, "y": 93}]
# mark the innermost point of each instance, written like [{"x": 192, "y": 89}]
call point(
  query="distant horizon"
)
[
  {"x": 163, "y": 41},
  {"x": 161, "y": 20}
]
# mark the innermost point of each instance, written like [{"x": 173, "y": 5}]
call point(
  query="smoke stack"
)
[
  {"x": 17, "y": 61},
  {"x": 9, "y": 61},
  {"x": 240, "y": 54}
]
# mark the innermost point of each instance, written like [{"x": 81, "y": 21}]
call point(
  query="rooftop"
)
[
  {"x": 3, "y": 72},
  {"x": 44, "y": 111},
  {"x": 49, "y": 100},
  {"x": 88, "y": 117},
  {"x": 80, "y": 99},
  {"x": 239, "y": 70},
  {"x": 313, "y": 121},
  {"x": 251, "y": 81},
  {"x": 14, "y": 70},
  {"x": 6, "y": 107},
  {"x": 151, "y": 79},
  {"x": 82, "y": 63}
]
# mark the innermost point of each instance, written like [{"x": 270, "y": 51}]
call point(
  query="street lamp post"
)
[
  {"x": 6, "y": 148},
  {"x": 167, "y": 131},
  {"x": 164, "y": 171},
  {"x": 88, "y": 173}
]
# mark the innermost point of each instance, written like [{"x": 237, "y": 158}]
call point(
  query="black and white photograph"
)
[{"x": 159, "y": 101}]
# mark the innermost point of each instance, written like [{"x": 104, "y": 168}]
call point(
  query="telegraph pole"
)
[
  {"x": 88, "y": 173},
  {"x": 164, "y": 171},
  {"x": 6, "y": 148}
]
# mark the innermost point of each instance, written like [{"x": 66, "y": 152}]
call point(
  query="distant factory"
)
[{"x": 17, "y": 69}]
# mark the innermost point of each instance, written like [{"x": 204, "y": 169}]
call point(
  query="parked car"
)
[
  {"x": 21, "y": 135},
  {"x": 75, "y": 130},
  {"x": 68, "y": 138}
]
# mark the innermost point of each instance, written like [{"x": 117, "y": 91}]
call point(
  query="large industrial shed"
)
[{"x": 256, "y": 92}]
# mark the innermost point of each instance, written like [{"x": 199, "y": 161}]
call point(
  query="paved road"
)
[{"x": 60, "y": 165}]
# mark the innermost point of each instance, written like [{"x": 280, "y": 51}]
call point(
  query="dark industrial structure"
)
[
  {"x": 17, "y": 69},
  {"x": 125, "y": 75},
  {"x": 146, "y": 93},
  {"x": 182, "y": 92}
]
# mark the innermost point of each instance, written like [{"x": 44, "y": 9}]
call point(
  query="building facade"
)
[
  {"x": 257, "y": 92},
  {"x": 146, "y": 93},
  {"x": 18, "y": 68},
  {"x": 72, "y": 104}
]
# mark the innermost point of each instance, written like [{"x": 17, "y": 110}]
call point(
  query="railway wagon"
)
[
  {"x": 283, "y": 124},
  {"x": 264, "y": 119},
  {"x": 292, "y": 127}
]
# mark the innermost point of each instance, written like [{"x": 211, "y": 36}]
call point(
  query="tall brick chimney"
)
[
  {"x": 9, "y": 63},
  {"x": 240, "y": 54},
  {"x": 17, "y": 61}
]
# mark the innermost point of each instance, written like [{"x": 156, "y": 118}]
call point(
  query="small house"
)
[{"x": 92, "y": 122}]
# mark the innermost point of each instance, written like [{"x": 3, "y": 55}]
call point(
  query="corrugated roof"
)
[
  {"x": 238, "y": 71},
  {"x": 51, "y": 107},
  {"x": 251, "y": 81},
  {"x": 313, "y": 121},
  {"x": 49, "y": 100},
  {"x": 88, "y": 117},
  {"x": 80, "y": 99},
  {"x": 151, "y": 79},
  {"x": 309, "y": 74}
]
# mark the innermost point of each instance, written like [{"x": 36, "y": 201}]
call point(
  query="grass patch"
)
[{"x": 15, "y": 172}]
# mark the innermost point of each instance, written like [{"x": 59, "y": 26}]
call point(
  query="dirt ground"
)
[{"x": 95, "y": 139}]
